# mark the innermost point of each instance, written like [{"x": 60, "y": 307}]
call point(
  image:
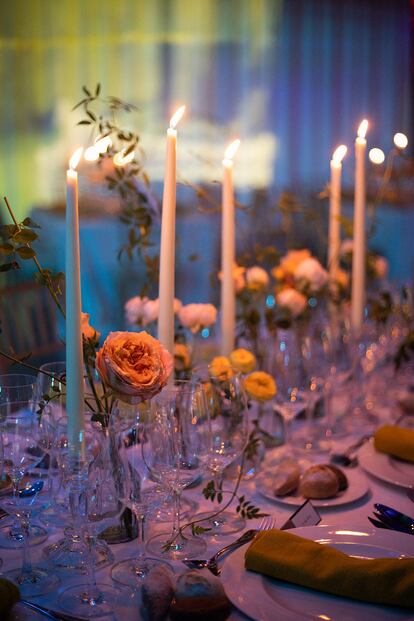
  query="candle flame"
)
[
  {"x": 102, "y": 143},
  {"x": 91, "y": 154},
  {"x": 376, "y": 156},
  {"x": 339, "y": 153},
  {"x": 400, "y": 140},
  {"x": 74, "y": 160},
  {"x": 120, "y": 159},
  {"x": 363, "y": 128},
  {"x": 231, "y": 150},
  {"x": 176, "y": 117}
]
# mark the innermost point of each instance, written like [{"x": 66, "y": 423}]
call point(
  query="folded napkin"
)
[
  {"x": 287, "y": 557},
  {"x": 396, "y": 441},
  {"x": 9, "y": 595}
]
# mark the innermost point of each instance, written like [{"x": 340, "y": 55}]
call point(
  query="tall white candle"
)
[
  {"x": 228, "y": 252},
  {"x": 74, "y": 352},
  {"x": 167, "y": 250},
  {"x": 359, "y": 249},
  {"x": 334, "y": 240}
]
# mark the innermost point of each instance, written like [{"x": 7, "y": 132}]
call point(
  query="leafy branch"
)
[
  {"x": 244, "y": 507},
  {"x": 17, "y": 239},
  {"x": 129, "y": 179}
]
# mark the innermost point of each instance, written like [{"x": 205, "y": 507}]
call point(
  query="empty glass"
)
[
  {"x": 177, "y": 452},
  {"x": 21, "y": 454},
  {"x": 227, "y": 404}
]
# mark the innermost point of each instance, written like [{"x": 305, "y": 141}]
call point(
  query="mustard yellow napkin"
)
[
  {"x": 287, "y": 557},
  {"x": 9, "y": 595},
  {"x": 395, "y": 441}
]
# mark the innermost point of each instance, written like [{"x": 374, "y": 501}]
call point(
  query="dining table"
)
[{"x": 348, "y": 516}]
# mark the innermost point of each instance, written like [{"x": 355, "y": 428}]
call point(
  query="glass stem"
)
[
  {"x": 177, "y": 511},
  {"x": 286, "y": 430},
  {"x": 27, "y": 562},
  {"x": 92, "y": 589},
  {"x": 141, "y": 553}
]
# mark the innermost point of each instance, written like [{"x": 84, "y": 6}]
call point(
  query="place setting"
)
[{"x": 206, "y": 311}]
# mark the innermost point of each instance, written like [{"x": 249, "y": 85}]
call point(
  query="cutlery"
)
[
  {"x": 378, "y": 524},
  {"x": 346, "y": 458},
  {"x": 266, "y": 524},
  {"x": 405, "y": 521},
  {"x": 46, "y": 612},
  {"x": 393, "y": 524}
]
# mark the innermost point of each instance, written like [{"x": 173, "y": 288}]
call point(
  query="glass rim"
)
[{"x": 8, "y": 376}]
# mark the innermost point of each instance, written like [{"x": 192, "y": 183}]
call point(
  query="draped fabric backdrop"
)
[{"x": 292, "y": 78}]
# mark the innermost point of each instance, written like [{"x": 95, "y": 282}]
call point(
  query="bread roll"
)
[
  {"x": 286, "y": 479},
  {"x": 319, "y": 482},
  {"x": 157, "y": 593},
  {"x": 199, "y": 596},
  {"x": 342, "y": 480}
]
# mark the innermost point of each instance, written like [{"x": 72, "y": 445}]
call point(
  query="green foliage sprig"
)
[
  {"x": 244, "y": 508},
  {"x": 131, "y": 181}
]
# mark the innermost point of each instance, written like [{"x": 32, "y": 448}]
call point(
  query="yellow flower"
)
[
  {"x": 278, "y": 273},
  {"x": 220, "y": 368},
  {"x": 260, "y": 386},
  {"x": 182, "y": 359},
  {"x": 242, "y": 360}
]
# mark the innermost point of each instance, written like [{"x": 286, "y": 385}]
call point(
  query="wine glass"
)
[
  {"x": 228, "y": 408},
  {"x": 138, "y": 492},
  {"x": 176, "y": 453},
  {"x": 18, "y": 387},
  {"x": 285, "y": 366},
  {"x": 93, "y": 491},
  {"x": 21, "y": 453},
  {"x": 68, "y": 552}
]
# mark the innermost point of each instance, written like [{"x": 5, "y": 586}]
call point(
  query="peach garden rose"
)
[{"x": 134, "y": 364}]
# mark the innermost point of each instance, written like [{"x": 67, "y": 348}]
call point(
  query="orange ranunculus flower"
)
[
  {"x": 134, "y": 364},
  {"x": 260, "y": 386},
  {"x": 220, "y": 368},
  {"x": 242, "y": 360},
  {"x": 87, "y": 330}
]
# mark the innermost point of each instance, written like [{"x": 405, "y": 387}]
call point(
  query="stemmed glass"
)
[
  {"x": 18, "y": 387},
  {"x": 227, "y": 404},
  {"x": 137, "y": 491},
  {"x": 21, "y": 453},
  {"x": 68, "y": 553},
  {"x": 177, "y": 453},
  {"x": 93, "y": 492},
  {"x": 286, "y": 366}
]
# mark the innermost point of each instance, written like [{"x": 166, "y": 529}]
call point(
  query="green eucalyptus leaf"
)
[
  {"x": 8, "y": 230},
  {"x": 25, "y": 252},
  {"x": 6, "y": 267},
  {"x": 6, "y": 248},
  {"x": 25, "y": 236},
  {"x": 29, "y": 222}
]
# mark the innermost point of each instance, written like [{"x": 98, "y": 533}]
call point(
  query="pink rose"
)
[
  {"x": 134, "y": 364},
  {"x": 197, "y": 316},
  {"x": 88, "y": 331},
  {"x": 293, "y": 300}
]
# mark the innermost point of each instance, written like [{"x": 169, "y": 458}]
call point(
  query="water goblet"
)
[
  {"x": 228, "y": 408},
  {"x": 176, "y": 452},
  {"x": 138, "y": 492},
  {"x": 93, "y": 491},
  {"x": 21, "y": 454}
]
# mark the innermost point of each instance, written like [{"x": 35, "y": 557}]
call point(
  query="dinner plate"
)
[
  {"x": 357, "y": 487},
  {"x": 385, "y": 467},
  {"x": 267, "y": 599}
]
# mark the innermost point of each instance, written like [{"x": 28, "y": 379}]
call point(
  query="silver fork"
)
[{"x": 266, "y": 523}]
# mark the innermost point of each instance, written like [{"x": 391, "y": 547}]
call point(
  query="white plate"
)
[
  {"x": 266, "y": 599},
  {"x": 357, "y": 487},
  {"x": 385, "y": 467}
]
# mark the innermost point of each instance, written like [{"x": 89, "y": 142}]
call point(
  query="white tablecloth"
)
[{"x": 347, "y": 517}]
